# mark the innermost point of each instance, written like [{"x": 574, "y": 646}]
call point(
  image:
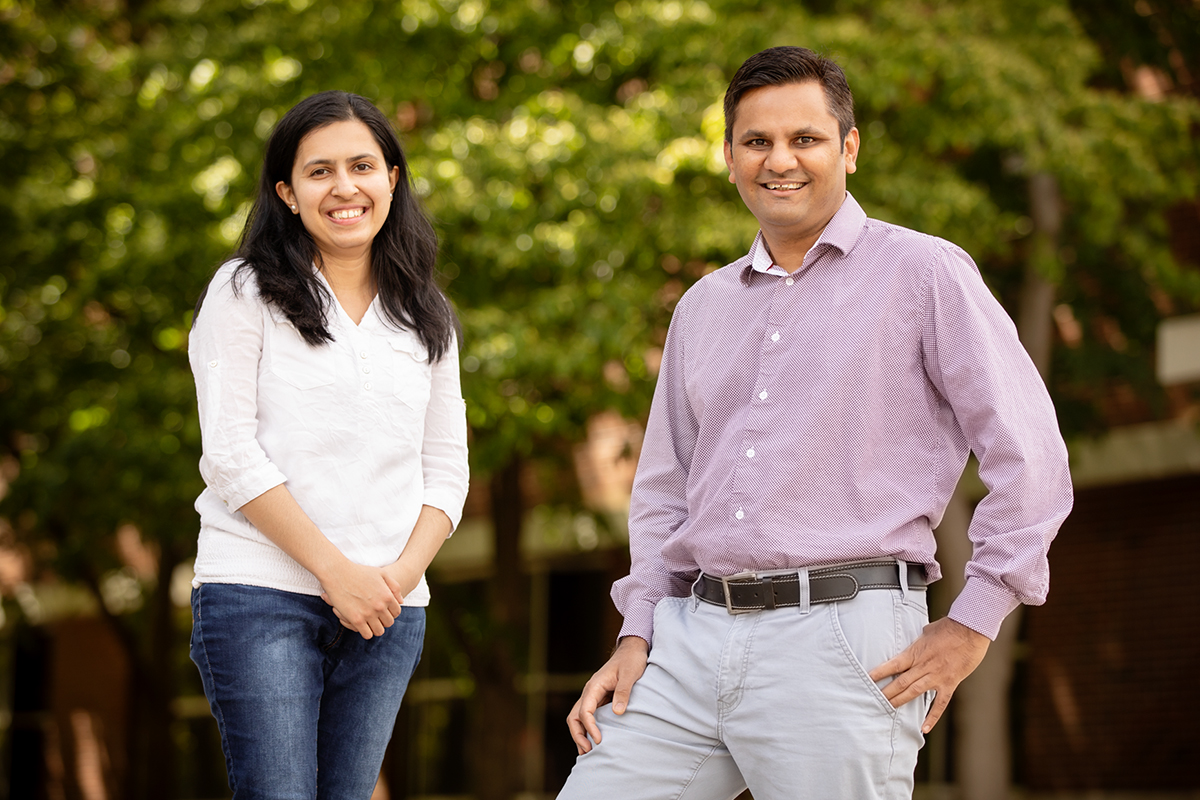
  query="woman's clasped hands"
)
[{"x": 365, "y": 599}]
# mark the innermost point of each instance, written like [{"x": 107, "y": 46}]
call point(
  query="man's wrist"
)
[{"x": 632, "y": 643}]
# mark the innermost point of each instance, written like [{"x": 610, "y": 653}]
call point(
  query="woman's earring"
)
[{"x": 293, "y": 209}]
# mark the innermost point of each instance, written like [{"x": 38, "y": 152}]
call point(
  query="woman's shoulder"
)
[
  {"x": 234, "y": 278},
  {"x": 233, "y": 287}
]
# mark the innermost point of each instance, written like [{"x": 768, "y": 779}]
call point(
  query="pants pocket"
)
[{"x": 867, "y": 630}]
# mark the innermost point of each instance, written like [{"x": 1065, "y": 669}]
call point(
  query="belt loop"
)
[
  {"x": 695, "y": 596},
  {"x": 805, "y": 595},
  {"x": 902, "y": 568}
]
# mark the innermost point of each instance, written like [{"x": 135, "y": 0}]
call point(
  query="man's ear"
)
[
  {"x": 850, "y": 151},
  {"x": 729, "y": 160}
]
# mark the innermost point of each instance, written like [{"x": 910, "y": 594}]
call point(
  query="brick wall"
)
[{"x": 1113, "y": 698}]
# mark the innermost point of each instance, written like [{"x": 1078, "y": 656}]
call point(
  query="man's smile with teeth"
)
[
  {"x": 778, "y": 185},
  {"x": 346, "y": 213}
]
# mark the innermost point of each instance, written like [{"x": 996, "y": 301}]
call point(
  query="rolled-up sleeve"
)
[
  {"x": 444, "y": 447},
  {"x": 224, "y": 349}
]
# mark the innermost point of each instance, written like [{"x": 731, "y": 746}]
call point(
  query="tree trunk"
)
[
  {"x": 497, "y": 711},
  {"x": 984, "y": 763},
  {"x": 149, "y": 769}
]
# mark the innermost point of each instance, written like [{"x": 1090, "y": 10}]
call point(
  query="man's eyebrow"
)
[
  {"x": 808, "y": 131},
  {"x": 330, "y": 161}
]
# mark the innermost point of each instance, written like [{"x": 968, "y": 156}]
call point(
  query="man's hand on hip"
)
[
  {"x": 613, "y": 680},
  {"x": 943, "y": 655}
]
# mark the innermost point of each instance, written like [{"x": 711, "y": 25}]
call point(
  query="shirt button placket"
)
[{"x": 365, "y": 356}]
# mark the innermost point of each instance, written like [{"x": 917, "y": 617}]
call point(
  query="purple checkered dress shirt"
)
[{"x": 827, "y": 415}]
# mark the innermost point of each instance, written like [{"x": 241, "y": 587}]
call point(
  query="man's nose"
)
[{"x": 780, "y": 159}]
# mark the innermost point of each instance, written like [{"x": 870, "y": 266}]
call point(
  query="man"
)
[{"x": 816, "y": 404}]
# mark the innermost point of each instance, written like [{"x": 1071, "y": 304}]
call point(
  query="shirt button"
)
[
  {"x": 363, "y": 354},
  {"x": 212, "y": 363},
  {"x": 762, "y": 395},
  {"x": 775, "y": 336},
  {"x": 366, "y": 370},
  {"x": 750, "y": 453},
  {"x": 740, "y": 514},
  {"x": 367, "y": 386},
  {"x": 789, "y": 281}
]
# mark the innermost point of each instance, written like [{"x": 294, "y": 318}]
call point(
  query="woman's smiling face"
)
[{"x": 342, "y": 189}]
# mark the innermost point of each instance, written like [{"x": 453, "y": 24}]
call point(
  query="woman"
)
[{"x": 334, "y": 454}]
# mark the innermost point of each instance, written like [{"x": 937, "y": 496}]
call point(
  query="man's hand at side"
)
[
  {"x": 943, "y": 655},
  {"x": 613, "y": 680}
]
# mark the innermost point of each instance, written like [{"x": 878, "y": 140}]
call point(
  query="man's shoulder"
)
[
  {"x": 877, "y": 233},
  {"x": 720, "y": 279}
]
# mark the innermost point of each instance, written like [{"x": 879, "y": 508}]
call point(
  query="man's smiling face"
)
[{"x": 789, "y": 161}]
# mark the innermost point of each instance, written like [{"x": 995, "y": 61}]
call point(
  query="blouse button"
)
[
  {"x": 366, "y": 370},
  {"x": 367, "y": 386},
  {"x": 363, "y": 354},
  {"x": 212, "y": 363}
]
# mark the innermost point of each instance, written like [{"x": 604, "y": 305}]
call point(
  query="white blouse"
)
[{"x": 364, "y": 430}]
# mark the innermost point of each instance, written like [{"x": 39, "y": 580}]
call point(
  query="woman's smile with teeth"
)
[{"x": 346, "y": 213}]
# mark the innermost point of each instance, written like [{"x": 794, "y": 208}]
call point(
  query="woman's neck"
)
[{"x": 352, "y": 284}]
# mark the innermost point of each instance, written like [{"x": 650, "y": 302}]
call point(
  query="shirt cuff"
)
[
  {"x": 448, "y": 502},
  {"x": 639, "y": 621},
  {"x": 237, "y": 494},
  {"x": 982, "y": 606}
]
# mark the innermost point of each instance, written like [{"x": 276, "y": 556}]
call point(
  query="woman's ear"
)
[{"x": 287, "y": 196}]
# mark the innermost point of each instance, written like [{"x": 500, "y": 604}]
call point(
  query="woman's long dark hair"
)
[{"x": 279, "y": 250}]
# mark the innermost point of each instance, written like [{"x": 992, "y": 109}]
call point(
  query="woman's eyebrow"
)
[{"x": 330, "y": 161}]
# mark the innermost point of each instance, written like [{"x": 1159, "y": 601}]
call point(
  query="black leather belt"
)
[{"x": 739, "y": 593}]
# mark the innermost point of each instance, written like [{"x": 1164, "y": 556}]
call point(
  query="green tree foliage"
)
[{"x": 570, "y": 153}]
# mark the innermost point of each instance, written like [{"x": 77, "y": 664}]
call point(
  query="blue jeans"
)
[{"x": 305, "y": 706}]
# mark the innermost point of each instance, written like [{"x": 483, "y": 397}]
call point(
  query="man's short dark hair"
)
[{"x": 779, "y": 66}]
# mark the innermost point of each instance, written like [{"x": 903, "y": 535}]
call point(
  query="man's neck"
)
[{"x": 788, "y": 253}]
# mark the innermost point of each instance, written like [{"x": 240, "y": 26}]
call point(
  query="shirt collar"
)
[{"x": 841, "y": 233}]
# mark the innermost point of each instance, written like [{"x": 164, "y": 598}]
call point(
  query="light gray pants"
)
[{"x": 777, "y": 700}]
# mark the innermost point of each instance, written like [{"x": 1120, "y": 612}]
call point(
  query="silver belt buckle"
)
[{"x": 725, "y": 581}]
